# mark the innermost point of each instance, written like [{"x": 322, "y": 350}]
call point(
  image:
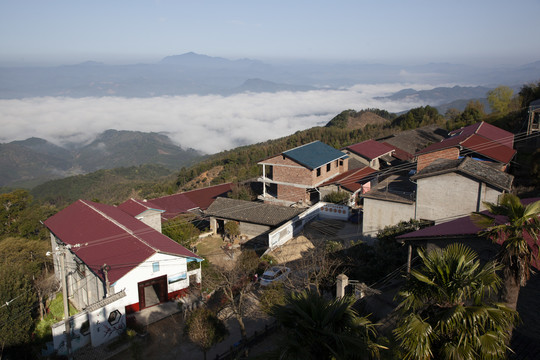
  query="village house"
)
[
  {"x": 108, "y": 251},
  {"x": 370, "y": 153},
  {"x": 293, "y": 175},
  {"x": 254, "y": 218},
  {"x": 443, "y": 187},
  {"x": 354, "y": 182},
  {"x": 193, "y": 201},
  {"x": 481, "y": 140}
]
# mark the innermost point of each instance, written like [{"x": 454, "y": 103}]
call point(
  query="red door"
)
[{"x": 152, "y": 292}]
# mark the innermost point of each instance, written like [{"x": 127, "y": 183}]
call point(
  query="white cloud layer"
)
[{"x": 206, "y": 123}]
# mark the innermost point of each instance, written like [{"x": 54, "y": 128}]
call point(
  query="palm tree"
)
[
  {"x": 316, "y": 328},
  {"x": 515, "y": 227},
  {"x": 447, "y": 312}
]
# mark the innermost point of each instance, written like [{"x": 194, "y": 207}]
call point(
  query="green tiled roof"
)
[{"x": 314, "y": 155}]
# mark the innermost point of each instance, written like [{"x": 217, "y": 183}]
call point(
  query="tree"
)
[
  {"x": 204, "y": 329},
  {"x": 232, "y": 229},
  {"x": 241, "y": 192},
  {"x": 517, "y": 233},
  {"x": 316, "y": 328},
  {"x": 499, "y": 99},
  {"x": 316, "y": 270},
  {"x": 337, "y": 197},
  {"x": 182, "y": 230},
  {"x": 528, "y": 93},
  {"x": 236, "y": 285},
  {"x": 17, "y": 299},
  {"x": 447, "y": 312}
]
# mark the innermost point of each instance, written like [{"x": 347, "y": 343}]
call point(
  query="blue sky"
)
[{"x": 411, "y": 31}]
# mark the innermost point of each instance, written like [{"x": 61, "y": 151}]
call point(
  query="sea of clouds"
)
[{"x": 209, "y": 123}]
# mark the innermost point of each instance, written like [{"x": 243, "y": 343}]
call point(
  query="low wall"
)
[{"x": 292, "y": 227}]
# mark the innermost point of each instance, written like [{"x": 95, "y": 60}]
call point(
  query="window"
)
[
  {"x": 155, "y": 266},
  {"x": 318, "y": 172},
  {"x": 340, "y": 162},
  {"x": 328, "y": 167}
]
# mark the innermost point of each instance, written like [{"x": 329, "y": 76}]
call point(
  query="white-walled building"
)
[{"x": 108, "y": 251}]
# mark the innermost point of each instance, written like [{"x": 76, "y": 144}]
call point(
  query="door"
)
[{"x": 152, "y": 292}]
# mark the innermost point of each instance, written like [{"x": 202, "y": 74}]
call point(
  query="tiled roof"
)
[
  {"x": 407, "y": 143},
  {"x": 136, "y": 207},
  {"x": 463, "y": 226},
  {"x": 102, "y": 234},
  {"x": 252, "y": 212},
  {"x": 395, "y": 188},
  {"x": 482, "y": 138},
  {"x": 480, "y": 170},
  {"x": 314, "y": 154},
  {"x": 195, "y": 199},
  {"x": 370, "y": 149},
  {"x": 351, "y": 180}
]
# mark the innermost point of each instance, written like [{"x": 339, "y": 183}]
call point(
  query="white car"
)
[{"x": 273, "y": 274}]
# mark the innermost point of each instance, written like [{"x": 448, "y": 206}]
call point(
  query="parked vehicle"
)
[{"x": 273, "y": 274}]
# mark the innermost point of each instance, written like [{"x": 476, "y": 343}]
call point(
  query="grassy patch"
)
[{"x": 56, "y": 313}]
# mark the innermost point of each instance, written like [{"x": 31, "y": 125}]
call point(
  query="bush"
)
[{"x": 337, "y": 197}]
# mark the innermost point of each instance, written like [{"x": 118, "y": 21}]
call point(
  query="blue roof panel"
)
[{"x": 314, "y": 155}]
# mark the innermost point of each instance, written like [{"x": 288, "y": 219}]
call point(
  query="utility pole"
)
[{"x": 62, "y": 256}]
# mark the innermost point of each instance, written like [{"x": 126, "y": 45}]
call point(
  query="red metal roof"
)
[
  {"x": 181, "y": 203},
  {"x": 481, "y": 138},
  {"x": 463, "y": 226},
  {"x": 370, "y": 149},
  {"x": 102, "y": 234},
  {"x": 350, "y": 180},
  {"x": 488, "y": 148},
  {"x": 399, "y": 153}
]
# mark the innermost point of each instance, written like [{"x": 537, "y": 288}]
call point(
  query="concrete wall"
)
[
  {"x": 151, "y": 218},
  {"x": 172, "y": 266},
  {"x": 84, "y": 287},
  {"x": 380, "y": 213},
  {"x": 444, "y": 197},
  {"x": 426, "y": 159},
  {"x": 98, "y": 325},
  {"x": 253, "y": 229}
]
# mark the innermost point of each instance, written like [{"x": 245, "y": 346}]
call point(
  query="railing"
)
[{"x": 236, "y": 349}]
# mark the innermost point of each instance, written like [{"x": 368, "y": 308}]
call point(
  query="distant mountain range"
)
[
  {"x": 192, "y": 73},
  {"x": 33, "y": 161}
]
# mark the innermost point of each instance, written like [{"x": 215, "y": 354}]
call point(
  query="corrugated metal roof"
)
[
  {"x": 105, "y": 234},
  {"x": 482, "y": 138},
  {"x": 181, "y": 203},
  {"x": 370, "y": 149},
  {"x": 463, "y": 226},
  {"x": 352, "y": 179},
  {"x": 314, "y": 154},
  {"x": 136, "y": 207}
]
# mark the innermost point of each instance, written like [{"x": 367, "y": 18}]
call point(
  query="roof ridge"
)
[
  {"x": 112, "y": 220},
  {"x": 299, "y": 146}
]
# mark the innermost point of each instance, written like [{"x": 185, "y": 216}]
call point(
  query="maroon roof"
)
[
  {"x": 102, "y": 234},
  {"x": 350, "y": 180},
  {"x": 482, "y": 138},
  {"x": 195, "y": 199},
  {"x": 370, "y": 149},
  {"x": 488, "y": 148},
  {"x": 489, "y": 132},
  {"x": 399, "y": 153},
  {"x": 136, "y": 207},
  {"x": 461, "y": 227}
]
